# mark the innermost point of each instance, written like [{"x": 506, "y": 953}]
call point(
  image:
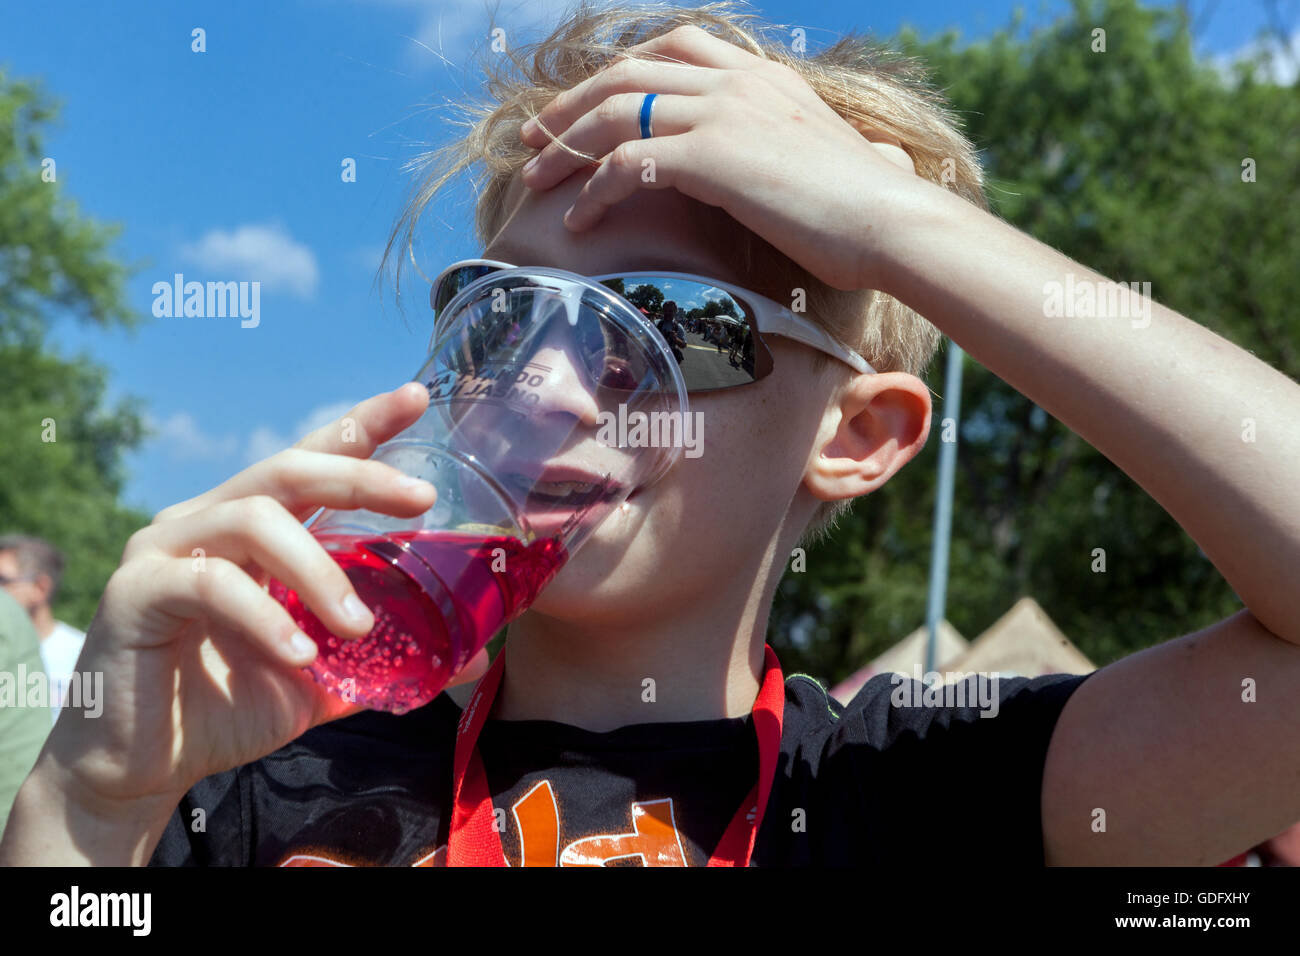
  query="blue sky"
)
[{"x": 225, "y": 165}]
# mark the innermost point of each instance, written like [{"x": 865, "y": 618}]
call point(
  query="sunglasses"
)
[{"x": 714, "y": 329}]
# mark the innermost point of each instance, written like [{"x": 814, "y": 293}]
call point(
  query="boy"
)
[{"x": 756, "y": 180}]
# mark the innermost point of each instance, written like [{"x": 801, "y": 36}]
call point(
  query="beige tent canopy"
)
[
  {"x": 905, "y": 657},
  {"x": 1022, "y": 643}
]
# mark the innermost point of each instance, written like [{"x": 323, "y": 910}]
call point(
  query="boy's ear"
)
[{"x": 875, "y": 427}]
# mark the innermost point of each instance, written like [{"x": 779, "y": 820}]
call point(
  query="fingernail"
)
[
  {"x": 531, "y": 163},
  {"x": 354, "y": 609},
  {"x": 528, "y": 128},
  {"x": 302, "y": 646}
]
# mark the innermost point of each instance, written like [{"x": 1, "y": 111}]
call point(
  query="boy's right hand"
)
[{"x": 202, "y": 667}]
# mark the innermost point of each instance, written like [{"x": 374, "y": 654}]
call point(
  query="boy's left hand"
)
[{"x": 736, "y": 131}]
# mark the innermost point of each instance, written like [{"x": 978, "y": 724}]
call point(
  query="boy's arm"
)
[{"x": 1185, "y": 769}]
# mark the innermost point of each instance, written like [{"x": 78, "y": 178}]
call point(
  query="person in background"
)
[
  {"x": 22, "y": 729},
  {"x": 30, "y": 570},
  {"x": 671, "y": 330}
]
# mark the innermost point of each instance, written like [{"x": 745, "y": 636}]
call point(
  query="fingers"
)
[
  {"x": 259, "y": 530},
  {"x": 619, "y": 177},
  {"x": 670, "y": 63},
  {"x": 356, "y": 435},
  {"x": 367, "y": 426},
  {"x": 614, "y": 120},
  {"x": 614, "y": 94},
  {"x": 303, "y": 481},
  {"x": 224, "y": 594},
  {"x": 691, "y": 44}
]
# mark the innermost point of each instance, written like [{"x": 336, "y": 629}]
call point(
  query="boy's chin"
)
[
  {"x": 606, "y": 575},
  {"x": 593, "y": 583}
]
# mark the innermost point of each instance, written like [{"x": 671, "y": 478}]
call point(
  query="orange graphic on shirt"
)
[
  {"x": 654, "y": 838},
  {"x": 538, "y": 818}
]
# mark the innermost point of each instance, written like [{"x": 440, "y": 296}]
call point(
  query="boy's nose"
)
[{"x": 567, "y": 386}]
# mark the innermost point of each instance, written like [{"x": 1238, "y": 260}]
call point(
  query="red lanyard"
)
[{"x": 474, "y": 841}]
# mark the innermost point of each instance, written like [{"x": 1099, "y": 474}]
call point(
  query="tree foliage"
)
[{"x": 61, "y": 467}]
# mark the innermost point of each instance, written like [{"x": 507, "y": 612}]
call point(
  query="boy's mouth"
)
[{"x": 561, "y": 489}]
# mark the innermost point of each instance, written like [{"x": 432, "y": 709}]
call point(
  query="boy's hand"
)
[
  {"x": 736, "y": 131},
  {"x": 201, "y": 668}
]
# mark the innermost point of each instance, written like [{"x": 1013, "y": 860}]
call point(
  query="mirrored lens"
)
[
  {"x": 494, "y": 338},
  {"x": 709, "y": 331},
  {"x": 456, "y": 280}
]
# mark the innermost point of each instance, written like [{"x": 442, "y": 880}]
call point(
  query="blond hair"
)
[{"x": 863, "y": 82}]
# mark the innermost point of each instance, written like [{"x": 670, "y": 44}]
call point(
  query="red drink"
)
[{"x": 438, "y": 597}]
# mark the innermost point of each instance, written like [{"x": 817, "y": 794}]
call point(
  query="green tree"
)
[
  {"x": 646, "y": 296},
  {"x": 1131, "y": 162},
  {"x": 61, "y": 468}
]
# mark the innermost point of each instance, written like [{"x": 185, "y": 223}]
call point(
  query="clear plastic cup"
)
[{"x": 528, "y": 373}]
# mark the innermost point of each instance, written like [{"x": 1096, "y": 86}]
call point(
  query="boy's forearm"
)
[
  {"x": 1208, "y": 430},
  {"x": 50, "y": 825}
]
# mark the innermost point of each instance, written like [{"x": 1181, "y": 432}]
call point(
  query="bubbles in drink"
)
[{"x": 437, "y": 596}]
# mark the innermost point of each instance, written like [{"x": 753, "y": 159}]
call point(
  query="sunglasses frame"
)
[{"x": 763, "y": 314}]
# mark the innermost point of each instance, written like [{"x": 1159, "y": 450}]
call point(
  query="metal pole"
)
[{"x": 938, "y": 592}]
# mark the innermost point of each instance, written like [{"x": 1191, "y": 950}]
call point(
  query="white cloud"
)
[
  {"x": 1280, "y": 59},
  {"x": 453, "y": 27},
  {"x": 265, "y": 253},
  {"x": 184, "y": 440},
  {"x": 266, "y": 441}
]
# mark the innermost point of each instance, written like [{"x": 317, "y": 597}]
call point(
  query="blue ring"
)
[{"x": 647, "y": 105}]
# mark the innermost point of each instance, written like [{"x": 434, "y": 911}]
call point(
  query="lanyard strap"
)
[{"x": 474, "y": 841}]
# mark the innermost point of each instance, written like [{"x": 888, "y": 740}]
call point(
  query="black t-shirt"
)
[{"x": 879, "y": 780}]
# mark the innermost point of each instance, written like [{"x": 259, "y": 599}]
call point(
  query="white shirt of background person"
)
[{"x": 59, "y": 652}]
